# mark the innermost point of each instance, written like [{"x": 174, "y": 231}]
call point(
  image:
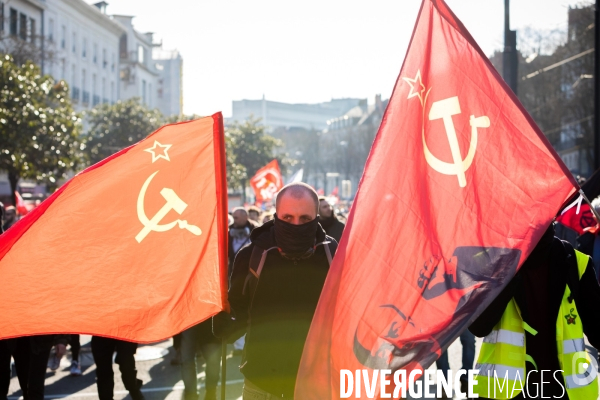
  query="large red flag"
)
[
  {"x": 463, "y": 185},
  {"x": 134, "y": 247},
  {"x": 267, "y": 181}
]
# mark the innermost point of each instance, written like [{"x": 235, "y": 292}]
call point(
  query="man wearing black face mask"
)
[{"x": 275, "y": 287}]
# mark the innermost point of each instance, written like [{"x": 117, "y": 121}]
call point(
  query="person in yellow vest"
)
[{"x": 534, "y": 330}]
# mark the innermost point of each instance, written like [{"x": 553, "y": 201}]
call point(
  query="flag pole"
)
[
  {"x": 590, "y": 204},
  {"x": 223, "y": 367}
]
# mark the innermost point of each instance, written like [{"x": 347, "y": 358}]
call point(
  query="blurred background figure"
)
[
  {"x": 60, "y": 349},
  {"x": 267, "y": 217},
  {"x": 239, "y": 233},
  {"x": 10, "y": 217},
  {"x": 254, "y": 214},
  {"x": 328, "y": 220}
]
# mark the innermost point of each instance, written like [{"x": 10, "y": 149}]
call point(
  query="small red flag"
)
[
  {"x": 267, "y": 181},
  {"x": 579, "y": 217},
  {"x": 142, "y": 235},
  {"x": 21, "y": 206},
  {"x": 465, "y": 184}
]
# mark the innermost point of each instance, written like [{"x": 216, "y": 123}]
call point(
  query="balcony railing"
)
[{"x": 86, "y": 97}]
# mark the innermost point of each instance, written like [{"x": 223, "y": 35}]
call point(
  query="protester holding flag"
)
[
  {"x": 551, "y": 302},
  {"x": 328, "y": 220},
  {"x": 290, "y": 256}
]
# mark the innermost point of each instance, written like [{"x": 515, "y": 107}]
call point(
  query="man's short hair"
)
[
  {"x": 242, "y": 209},
  {"x": 298, "y": 190},
  {"x": 254, "y": 209},
  {"x": 322, "y": 198}
]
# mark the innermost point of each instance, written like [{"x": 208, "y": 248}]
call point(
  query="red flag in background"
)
[
  {"x": 267, "y": 181},
  {"x": 142, "y": 237},
  {"x": 21, "y": 206},
  {"x": 578, "y": 216},
  {"x": 463, "y": 185}
]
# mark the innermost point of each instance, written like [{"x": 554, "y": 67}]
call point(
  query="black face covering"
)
[{"x": 296, "y": 241}]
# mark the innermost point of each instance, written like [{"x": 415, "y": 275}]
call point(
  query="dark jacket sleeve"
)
[
  {"x": 587, "y": 301},
  {"x": 485, "y": 323}
]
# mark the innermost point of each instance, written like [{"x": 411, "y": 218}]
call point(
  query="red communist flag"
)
[
  {"x": 463, "y": 184},
  {"x": 134, "y": 247},
  {"x": 267, "y": 181}
]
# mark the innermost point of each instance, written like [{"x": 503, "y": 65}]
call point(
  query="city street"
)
[{"x": 162, "y": 381}]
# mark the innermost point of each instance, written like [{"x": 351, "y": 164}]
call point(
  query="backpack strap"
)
[
  {"x": 257, "y": 262},
  {"x": 325, "y": 245}
]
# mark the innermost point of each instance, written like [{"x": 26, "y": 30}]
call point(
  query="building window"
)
[
  {"x": 104, "y": 62},
  {"x": 31, "y": 32},
  {"x": 112, "y": 65},
  {"x": 84, "y": 48},
  {"x": 104, "y": 90},
  {"x": 63, "y": 69},
  {"x": 1, "y": 16},
  {"x": 23, "y": 26},
  {"x": 123, "y": 47},
  {"x": 112, "y": 92},
  {"x": 63, "y": 37},
  {"x": 74, "y": 44},
  {"x": 150, "y": 95},
  {"x": 95, "y": 53},
  {"x": 144, "y": 91},
  {"x": 13, "y": 22},
  {"x": 141, "y": 54},
  {"x": 51, "y": 30}
]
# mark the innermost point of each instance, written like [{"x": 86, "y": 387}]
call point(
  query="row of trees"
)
[{"x": 42, "y": 138}]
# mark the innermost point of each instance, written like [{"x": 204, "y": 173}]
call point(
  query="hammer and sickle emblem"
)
[
  {"x": 444, "y": 110},
  {"x": 173, "y": 203}
]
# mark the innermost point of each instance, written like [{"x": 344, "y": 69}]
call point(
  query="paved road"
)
[{"x": 161, "y": 379}]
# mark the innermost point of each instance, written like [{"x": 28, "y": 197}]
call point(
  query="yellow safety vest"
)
[{"x": 501, "y": 362}]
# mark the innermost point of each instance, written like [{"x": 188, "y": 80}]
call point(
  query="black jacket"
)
[
  {"x": 538, "y": 289},
  {"x": 279, "y": 315},
  {"x": 333, "y": 227}
]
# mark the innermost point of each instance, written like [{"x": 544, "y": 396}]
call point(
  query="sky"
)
[{"x": 308, "y": 51}]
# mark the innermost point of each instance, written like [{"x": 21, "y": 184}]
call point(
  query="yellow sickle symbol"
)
[{"x": 173, "y": 203}]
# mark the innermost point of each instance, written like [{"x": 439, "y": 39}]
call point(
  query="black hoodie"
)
[{"x": 281, "y": 311}]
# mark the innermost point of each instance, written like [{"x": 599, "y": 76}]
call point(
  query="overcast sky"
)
[{"x": 307, "y": 51}]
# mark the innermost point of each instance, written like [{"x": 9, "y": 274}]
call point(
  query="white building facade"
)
[
  {"x": 102, "y": 57},
  {"x": 85, "y": 45}
]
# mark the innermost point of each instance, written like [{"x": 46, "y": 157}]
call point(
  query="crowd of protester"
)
[{"x": 33, "y": 355}]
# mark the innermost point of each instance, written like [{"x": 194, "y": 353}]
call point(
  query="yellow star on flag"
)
[
  {"x": 163, "y": 149},
  {"x": 413, "y": 83}
]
